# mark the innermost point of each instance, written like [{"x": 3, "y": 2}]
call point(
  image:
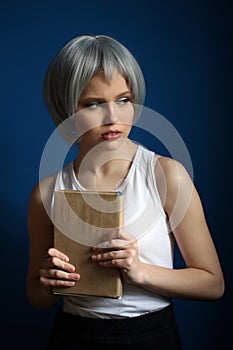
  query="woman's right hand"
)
[{"x": 56, "y": 270}]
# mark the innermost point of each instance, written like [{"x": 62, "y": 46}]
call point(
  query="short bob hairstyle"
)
[{"x": 71, "y": 70}]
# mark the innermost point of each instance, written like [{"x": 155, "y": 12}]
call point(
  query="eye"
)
[
  {"x": 122, "y": 100},
  {"x": 92, "y": 105}
]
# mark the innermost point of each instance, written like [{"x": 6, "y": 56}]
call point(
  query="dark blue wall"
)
[{"x": 185, "y": 50}]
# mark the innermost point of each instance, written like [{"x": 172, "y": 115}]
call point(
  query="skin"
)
[{"x": 102, "y": 162}]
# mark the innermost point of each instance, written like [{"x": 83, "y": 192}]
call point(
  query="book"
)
[{"x": 81, "y": 220}]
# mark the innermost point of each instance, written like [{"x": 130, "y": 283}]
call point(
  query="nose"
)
[{"x": 111, "y": 114}]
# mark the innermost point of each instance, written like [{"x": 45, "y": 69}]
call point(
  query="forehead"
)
[{"x": 99, "y": 85}]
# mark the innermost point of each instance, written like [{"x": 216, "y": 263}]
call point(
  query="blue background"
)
[{"x": 185, "y": 51}]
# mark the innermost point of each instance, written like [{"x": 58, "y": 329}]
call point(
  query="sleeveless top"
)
[{"x": 144, "y": 218}]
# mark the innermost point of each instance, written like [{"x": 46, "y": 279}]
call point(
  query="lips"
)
[{"x": 111, "y": 135}]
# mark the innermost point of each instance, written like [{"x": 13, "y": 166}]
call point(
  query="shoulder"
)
[
  {"x": 41, "y": 195},
  {"x": 171, "y": 169},
  {"x": 172, "y": 179},
  {"x": 42, "y": 189}
]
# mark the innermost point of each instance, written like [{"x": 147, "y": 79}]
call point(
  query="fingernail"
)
[{"x": 71, "y": 283}]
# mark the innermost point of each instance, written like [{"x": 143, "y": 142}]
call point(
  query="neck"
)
[
  {"x": 97, "y": 158},
  {"x": 104, "y": 170}
]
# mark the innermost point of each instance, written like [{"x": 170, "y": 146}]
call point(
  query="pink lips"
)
[{"x": 111, "y": 135}]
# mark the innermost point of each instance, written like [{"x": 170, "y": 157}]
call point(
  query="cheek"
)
[
  {"x": 126, "y": 115},
  {"x": 85, "y": 121}
]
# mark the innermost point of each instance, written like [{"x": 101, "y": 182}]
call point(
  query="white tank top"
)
[{"x": 145, "y": 219}]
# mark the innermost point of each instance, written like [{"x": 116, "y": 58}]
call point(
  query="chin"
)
[{"x": 112, "y": 145}]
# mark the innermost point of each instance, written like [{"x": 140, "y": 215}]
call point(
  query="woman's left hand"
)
[{"x": 119, "y": 249}]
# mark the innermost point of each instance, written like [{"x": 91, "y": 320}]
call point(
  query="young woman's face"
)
[{"x": 105, "y": 111}]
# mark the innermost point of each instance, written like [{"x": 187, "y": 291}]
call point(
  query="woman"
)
[{"x": 96, "y": 80}]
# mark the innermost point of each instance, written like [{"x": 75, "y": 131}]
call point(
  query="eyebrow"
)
[{"x": 94, "y": 98}]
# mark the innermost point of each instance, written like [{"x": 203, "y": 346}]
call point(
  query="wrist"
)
[{"x": 140, "y": 274}]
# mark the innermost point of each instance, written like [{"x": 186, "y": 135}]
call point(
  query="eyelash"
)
[
  {"x": 94, "y": 104},
  {"x": 123, "y": 100}
]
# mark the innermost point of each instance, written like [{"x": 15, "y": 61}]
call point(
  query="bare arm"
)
[
  {"x": 45, "y": 263},
  {"x": 202, "y": 278}
]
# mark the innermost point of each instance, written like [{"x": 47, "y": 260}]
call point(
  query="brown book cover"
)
[{"x": 81, "y": 220}]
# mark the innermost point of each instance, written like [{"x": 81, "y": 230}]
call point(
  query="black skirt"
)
[{"x": 157, "y": 330}]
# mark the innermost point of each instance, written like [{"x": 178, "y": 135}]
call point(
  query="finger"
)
[
  {"x": 47, "y": 282},
  {"x": 117, "y": 234},
  {"x": 59, "y": 274},
  {"x": 52, "y": 252},
  {"x": 112, "y": 255},
  {"x": 62, "y": 265},
  {"x": 116, "y": 244},
  {"x": 112, "y": 244},
  {"x": 58, "y": 278},
  {"x": 123, "y": 264},
  {"x": 123, "y": 234},
  {"x": 56, "y": 262}
]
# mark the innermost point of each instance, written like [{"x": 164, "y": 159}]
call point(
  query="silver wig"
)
[{"x": 76, "y": 64}]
